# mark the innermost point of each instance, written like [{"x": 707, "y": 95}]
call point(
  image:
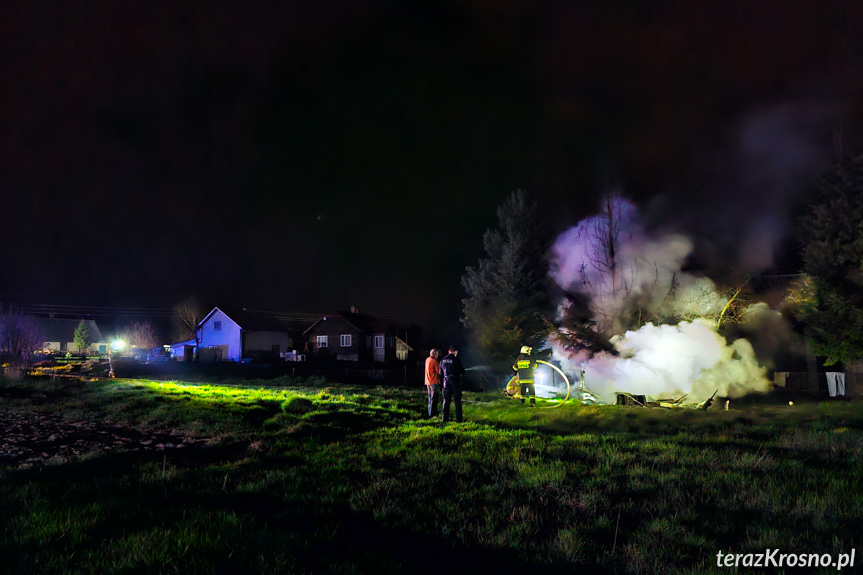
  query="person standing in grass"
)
[
  {"x": 525, "y": 367},
  {"x": 452, "y": 370},
  {"x": 433, "y": 385}
]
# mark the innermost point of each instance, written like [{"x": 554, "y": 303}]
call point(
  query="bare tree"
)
[
  {"x": 187, "y": 315},
  {"x": 20, "y": 336},
  {"x": 615, "y": 281},
  {"x": 627, "y": 275},
  {"x": 142, "y": 335}
]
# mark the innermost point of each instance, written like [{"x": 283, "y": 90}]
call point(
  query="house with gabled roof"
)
[
  {"x": 232, "y": 335},
  {"x": 352, "y": 336}
]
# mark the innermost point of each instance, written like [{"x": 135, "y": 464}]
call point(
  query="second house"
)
[{"x": 352, "y": 336}]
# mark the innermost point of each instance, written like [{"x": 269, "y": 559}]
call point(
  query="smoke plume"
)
[
  {"x": 619, "y": 268},
  {"x": 661, "y": 321}
]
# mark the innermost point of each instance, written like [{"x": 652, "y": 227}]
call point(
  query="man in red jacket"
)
[{"x": 433, "y": 380}]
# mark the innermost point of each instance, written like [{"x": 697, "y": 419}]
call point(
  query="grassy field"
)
[{"x": 312, "y": 477}]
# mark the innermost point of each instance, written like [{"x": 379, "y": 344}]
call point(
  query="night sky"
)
[{"x": 309, "y": 156}]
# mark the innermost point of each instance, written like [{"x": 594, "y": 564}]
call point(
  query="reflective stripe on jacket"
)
[{"x": 525, "y": 365}]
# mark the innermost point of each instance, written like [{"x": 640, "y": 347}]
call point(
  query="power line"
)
[{"x": 94, "y": 311}]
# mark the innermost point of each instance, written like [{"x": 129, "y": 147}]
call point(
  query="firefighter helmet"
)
[{"x": 526, "y": 349}]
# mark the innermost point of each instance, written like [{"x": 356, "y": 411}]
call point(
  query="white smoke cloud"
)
[
  {"x": 697, "y": 298},
  {"x": 662, "y": 361}
]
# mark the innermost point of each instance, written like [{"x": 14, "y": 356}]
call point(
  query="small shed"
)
[{"x": 183, "y": 350}]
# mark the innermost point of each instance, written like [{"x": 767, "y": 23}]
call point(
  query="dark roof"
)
[
  {"x": 250, "y": 320},
  {"x": 54, "y": 329},
  {"x": 296, "y": 322},
  {"x": 366, "y": 324}
]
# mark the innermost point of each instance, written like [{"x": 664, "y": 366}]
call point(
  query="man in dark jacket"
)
[{"x": 451, "y": 370}]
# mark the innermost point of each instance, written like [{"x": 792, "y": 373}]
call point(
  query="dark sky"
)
[{"x": 308, "y": 156}]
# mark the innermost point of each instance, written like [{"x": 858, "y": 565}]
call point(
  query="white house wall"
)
[{"x": 228, "y": 336}]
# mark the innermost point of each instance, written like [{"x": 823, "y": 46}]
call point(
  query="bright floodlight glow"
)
[
  {"x": 545, "y": 387},
  {"x": 118, "y": 344}
]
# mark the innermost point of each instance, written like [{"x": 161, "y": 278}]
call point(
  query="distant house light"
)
[
  {"x": 379, "y": 342},
  {"x": 345, "y": 340},
  {"x": 322, "y": 341},
  {"x": 217, "y": 326}
]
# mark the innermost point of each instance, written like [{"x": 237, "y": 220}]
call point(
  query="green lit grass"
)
[{"x": 321, "y": 478}]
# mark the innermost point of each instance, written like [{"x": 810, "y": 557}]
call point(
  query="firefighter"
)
[{"x": 525, "y": 365}]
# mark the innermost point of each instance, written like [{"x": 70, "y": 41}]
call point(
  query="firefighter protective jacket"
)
[{"x": 524, "y": 365}]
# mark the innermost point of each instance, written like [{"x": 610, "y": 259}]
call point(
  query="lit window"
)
[
  {"x": 217, "y": 326},
  {"x": 322, "y": 341},
  {"x": 345, "y": 340},
  {"x": 379, "y": 342}
]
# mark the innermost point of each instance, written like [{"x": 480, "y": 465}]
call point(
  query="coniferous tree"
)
[
  {"x": 508, "y": 290},
  {"x": 833, "y": 258},
  {"x": 82, "y": 337}
]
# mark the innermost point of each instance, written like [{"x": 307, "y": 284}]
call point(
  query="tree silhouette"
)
[
  {"x": 82, "y": 337},
  {"x": 507, "y": 292},
  {"x": 833, "y": 258}
]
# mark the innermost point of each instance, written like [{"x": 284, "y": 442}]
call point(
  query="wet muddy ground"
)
[{"x": 29, "y": 439}]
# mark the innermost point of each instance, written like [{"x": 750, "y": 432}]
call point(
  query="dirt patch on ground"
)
[{"x": 35, "y": 439}]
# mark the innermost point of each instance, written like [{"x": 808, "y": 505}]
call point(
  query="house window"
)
[
  {"x": 217, "y": 326},
  {"x": 345, "y": 340},
  {"x": 322, "y": 341},
  {"x": 379, "y": 342}
]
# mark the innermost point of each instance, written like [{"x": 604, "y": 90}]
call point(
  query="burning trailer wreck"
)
[{"x": 668, "y": 403}]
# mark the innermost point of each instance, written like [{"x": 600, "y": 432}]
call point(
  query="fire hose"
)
[{"x": 558, "y": 370}]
